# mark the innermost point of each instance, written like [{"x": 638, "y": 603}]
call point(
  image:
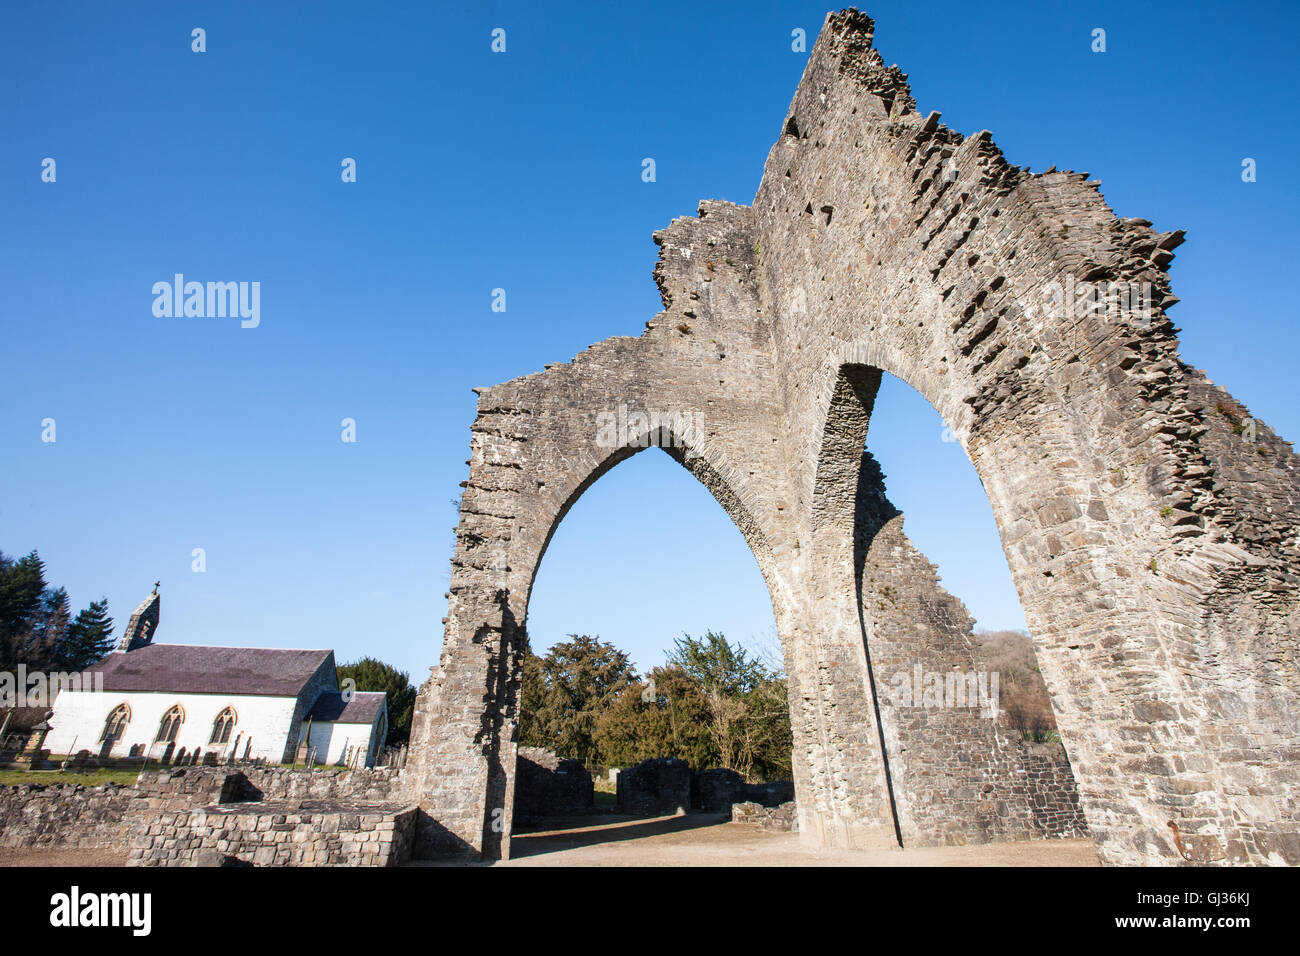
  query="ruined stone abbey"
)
[{"x": 1149, "y": 522}]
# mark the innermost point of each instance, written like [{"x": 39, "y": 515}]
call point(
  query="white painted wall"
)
[
  {"x": 79, "y": 717},
  {"x": 333, "y": 740}
]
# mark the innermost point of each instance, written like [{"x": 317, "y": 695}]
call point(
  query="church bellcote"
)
[{"x": 143, "y": 624}]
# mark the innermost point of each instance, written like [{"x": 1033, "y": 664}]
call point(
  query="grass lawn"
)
[{"x": 87, "y": 778}]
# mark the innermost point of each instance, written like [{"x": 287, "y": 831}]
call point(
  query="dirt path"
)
[
  {"x": 710, "y": 840},
  {"x": 63, "y": 857}
]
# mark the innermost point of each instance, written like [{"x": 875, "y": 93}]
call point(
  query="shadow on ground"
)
[{"x": 571, "y": 833}]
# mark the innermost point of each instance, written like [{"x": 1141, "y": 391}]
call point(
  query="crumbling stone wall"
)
[
  {"x": 719, "y": 789},
  {"x": 781, "y": 817},
  {"x": 656, "y": 787},
  {"x": 970, "y": 777},
  {"x": 665, "y": 785},
  {"x": 1150, "y": 531},
  {"x": 68, "y": 815},
  {"x": 547, "y": 786}
]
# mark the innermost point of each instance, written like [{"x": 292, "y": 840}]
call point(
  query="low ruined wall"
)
[
  {"x": 655, "y": 787},
  {"x": 784, "y": 817},
  {"x": 279, "y": 834},
  {"x": 547, "y": 786},
  {"x": 181, "y": 789},
  {"x": 34, "y": 815},
  {"x": 66, "y": 815},
  {"x": 61, "y": 815},
  {"x": 718, "y": 790},
  {"x": 660, "y": 786}
]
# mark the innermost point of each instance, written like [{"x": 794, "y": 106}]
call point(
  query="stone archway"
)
[{"x": 1150, "y": 524}]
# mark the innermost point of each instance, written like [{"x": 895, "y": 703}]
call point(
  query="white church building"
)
[{"x": 185, "y": 703}]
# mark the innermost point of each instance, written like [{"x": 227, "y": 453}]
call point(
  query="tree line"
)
[
  {"x": 710, "y": 704},
  {"x": 36, "y": 623},
  {"x": 1025, "y": 704}
]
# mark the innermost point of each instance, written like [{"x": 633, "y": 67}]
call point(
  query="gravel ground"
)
[{"x": 710, "y": 840}]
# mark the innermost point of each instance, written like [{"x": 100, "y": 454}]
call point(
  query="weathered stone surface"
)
[
  {"x": 263, "y": 834},
  {"x": 782, "y": 817},
  {"x": 32, "y": 815},
  {"x": 115, "y": 817},
  {"x": 546, "y": 786},
  {"x": 655, "y": 788},
  {"x": 1150, "y": 524},
  {"x": 963, "y": 775}
]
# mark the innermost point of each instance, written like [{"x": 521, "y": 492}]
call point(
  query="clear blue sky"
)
[{"x": 522, "y": 171}]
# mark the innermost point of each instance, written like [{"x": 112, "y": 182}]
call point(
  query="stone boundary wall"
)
[
  {"x": 279, "y": 834},
  {"x": 35, "y": 815},
  {"x": 1013, "y": 790},
  {"x": 65, "y": 815}
]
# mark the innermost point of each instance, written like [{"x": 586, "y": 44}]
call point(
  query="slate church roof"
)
[
  {"x": 197, "y": 669},
  {"x": 363, "y": 708}
]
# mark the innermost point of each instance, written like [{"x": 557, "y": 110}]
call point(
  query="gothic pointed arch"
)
[
  {"x": 1150, "y": 523},
  {"x": 223, "y": 726},
  {"x": 170, "y": 724},
  {"x": 115, "y": 724}
]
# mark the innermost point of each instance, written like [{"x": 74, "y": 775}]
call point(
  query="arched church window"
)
[
  {"x": 115, "y": 725},
  {"x": 170, "y": 725},
  {"x": 223, "y": 726}
]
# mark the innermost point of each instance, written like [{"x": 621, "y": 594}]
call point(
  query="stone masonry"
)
[
  {"x": 114, "y": 817},
  {"x": 781, "y": 817},
  {"x": 656, "y": 787},
  {"x": 1150, "y": 523},
  {"x": 34, "y": 815},
  {"x": 970, "y": 778},
  {"x": 278, "y": 834},
  {"x": 547, "y": 786}
]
